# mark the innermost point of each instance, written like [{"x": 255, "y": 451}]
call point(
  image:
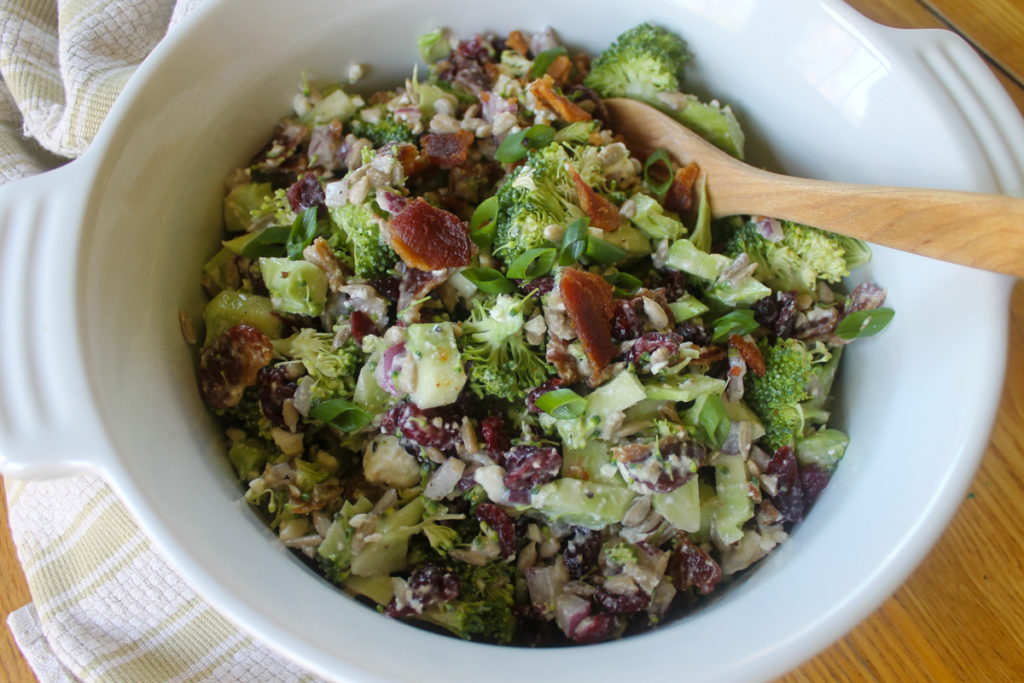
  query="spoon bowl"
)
[{"x": 980, "y": 230}]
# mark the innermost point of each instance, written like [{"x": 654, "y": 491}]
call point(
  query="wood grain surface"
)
[{"x": 960, "y": 616}]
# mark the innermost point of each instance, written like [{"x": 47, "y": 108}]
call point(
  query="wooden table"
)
[{"x": 960, "y": 616}]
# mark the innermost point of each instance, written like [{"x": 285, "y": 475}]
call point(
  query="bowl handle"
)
[{"x": 49, "y": 425}]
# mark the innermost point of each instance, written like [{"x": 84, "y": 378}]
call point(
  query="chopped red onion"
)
[
  {"x": 390, "y": 363},
  {"x": 769, "y": 228}
]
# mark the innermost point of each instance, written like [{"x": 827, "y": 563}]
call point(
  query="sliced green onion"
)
[
  {"x": 302, "y": 233},
  {"x": 532, "y": 264},
  {"x": 482, "y": 224},
  {"x": 267, "y": 242},
  {"x": 574, "y": 242},
  {"x": 713, "y": 420},
  {"x": 545, "y": 59},
  {"x": 651, "y": 170},
  {"x": 489, "y": 280},
  {"x": 515, "y": 146},
  {"x": 562, "y": 404},
  {"x": 739, "y": 322},
  {"x": 341, "y": 414},
  {"x": 604, "y": 252},
  {"x": 624, "y": 283},
  {"x": 686, "y": 307},
  {"x": 864, "y": 323}
]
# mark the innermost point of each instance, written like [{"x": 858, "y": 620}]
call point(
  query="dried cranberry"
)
[
  {"x": 475, "y": 48},
  {"x": 362, "y": 325},
  {"x": 777, "y": 312},
  {"x": 813, "y": 480},
  {"x": 595, "y": 628},
  {"x": 530, "y": 466},
  {"x": 428, "y": 585},
  {"x": 533, "y": 395},
  {"x": 306, "y": 192},
  {"x": 540, "y": 285},
  {"x": 691, "y": 567},
  {"x": 672, "y": 281},
  {"x": 621, "y": 603},
  {"x": 275, "y": 387},
  {"x": 581, "y": 551},
  {"x": 626, "y": 322},
  {"x": 230, "y": 363},
  {"x": 386, "y": 286},
  {"x": 693, "y": 331},
  {"x": 429, "y": 428},
  {"x": 492, "y": 429},
  {"x": 789, "y": 495},
  {"x": 500, "y": 521},
  {"x": 652, "y": 341}
]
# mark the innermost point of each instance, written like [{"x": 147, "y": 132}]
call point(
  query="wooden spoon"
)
[{"x": 980, "y": 230}]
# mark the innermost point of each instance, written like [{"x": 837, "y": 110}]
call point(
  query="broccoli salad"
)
[{"x": 489, "y": 369}]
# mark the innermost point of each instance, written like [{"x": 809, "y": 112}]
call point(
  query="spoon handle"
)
[{"x": 980, "y": 230}]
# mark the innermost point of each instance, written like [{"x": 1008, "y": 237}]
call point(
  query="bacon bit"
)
[
  {"x": 517, "y": 41},
  {"x": 544, "y": 92},
  {"x": 582, "y": 63},
  {"x": 590, "y": 305},
  {"x": 709, "y": 354},
  {"x": 410, "y": 158},
  {"x": 447, "y": 149},
  {"x": 560, "y": 69},
  {"x": 428, "y": 238},
  {"x": 750, "y": 353},
  {"x": 557, "y": 353},
  {"x": 601, "y": 212},
  {"x": 680, "y": 193}
]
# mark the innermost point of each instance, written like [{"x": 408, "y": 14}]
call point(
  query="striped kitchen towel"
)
[{"x": 106, "y": 606}]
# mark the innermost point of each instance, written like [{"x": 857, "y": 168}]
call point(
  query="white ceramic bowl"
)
[{"x": 97, "y": 258}]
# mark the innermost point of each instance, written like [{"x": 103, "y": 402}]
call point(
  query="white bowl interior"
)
[{"x": 820, "y": 92}]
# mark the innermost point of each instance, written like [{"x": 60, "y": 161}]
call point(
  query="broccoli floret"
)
[
  {"x": 776, "y": 396},
  {"x": 621, "y": 553},
  {"x": 386, "y": 130},
  {"x": 651, "y": 219},
  {"x": 647, "y": 63},
  {"x": 275, "y": 210},
  {"x": 642, "y": 62},
  {"x": 248, "y": 414},
  {"x": 358, "y": 241},
  {"x": 331, "y": 372},
  {"x": 503, "y": 364},
  {"x": 802, "y": 257},
  {"x": 483, "y": 610},
  {"x": 540, "y": 193}
]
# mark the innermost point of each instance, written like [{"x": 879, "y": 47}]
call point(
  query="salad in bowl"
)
[{"x": 491, "y": 370}]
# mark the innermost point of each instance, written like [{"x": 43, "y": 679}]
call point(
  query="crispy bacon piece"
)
[
  {"x": 749, "y": 352},
  {"x": 560, "y": 69},
  {"x": 410, "y": 158},
  {"x": 589, "y": 305},
  {"x": 601, "y": 212},
  {"x": 680, "y": 193},
  {"x": 447, "y": 149},
  {"x": 428, "y": 238},
  {"x": 544, "y": 92},
  {"x": 517, "y": 41}
]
